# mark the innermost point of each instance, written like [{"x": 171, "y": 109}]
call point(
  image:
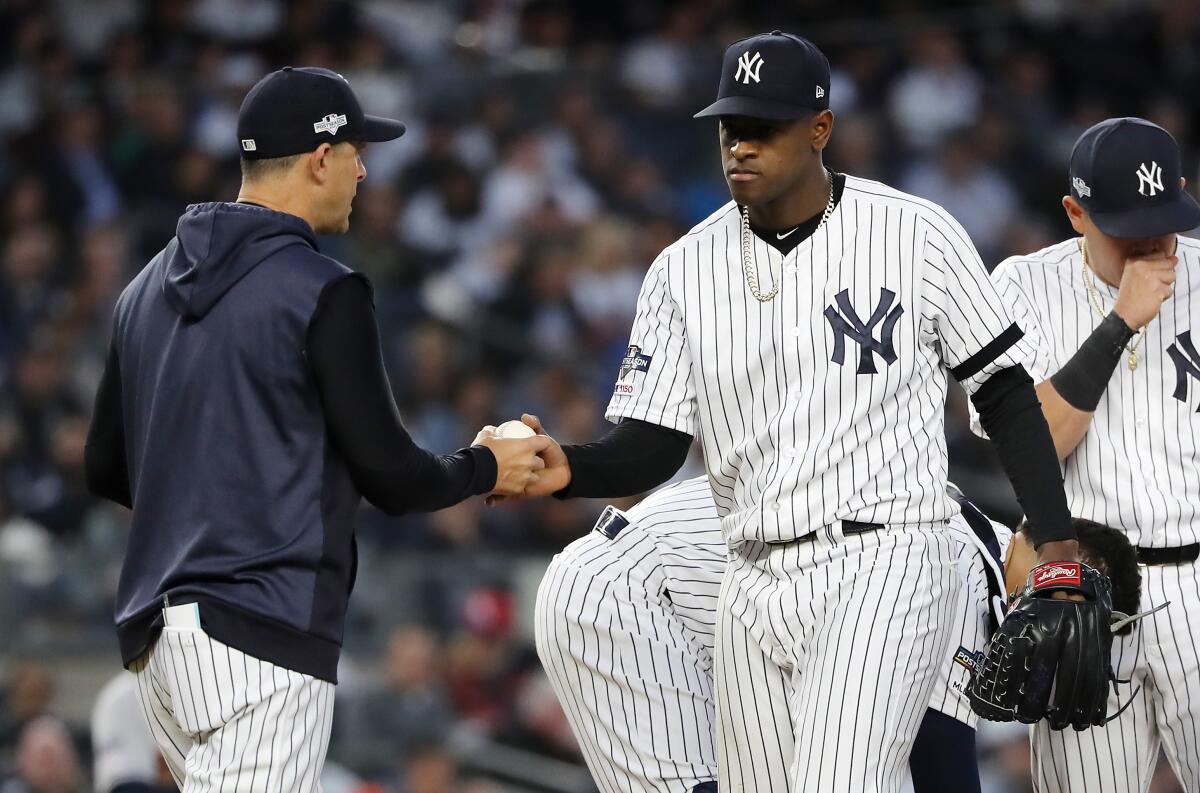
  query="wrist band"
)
[{"x": 1081, "y": 382}]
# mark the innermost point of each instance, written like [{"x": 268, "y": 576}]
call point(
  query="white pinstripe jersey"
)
[
  {"x": 826, "y": 402},
  {"x": 1137, "y": 466}
]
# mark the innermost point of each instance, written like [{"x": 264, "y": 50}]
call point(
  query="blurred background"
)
[{"x": 550, "y": 155}]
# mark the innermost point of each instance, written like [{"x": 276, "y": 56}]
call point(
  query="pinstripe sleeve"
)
[
  {"x": 976, "y": 331},
  {"x": 654, "y": 382},
  {"x": 1037, "y": 359}
]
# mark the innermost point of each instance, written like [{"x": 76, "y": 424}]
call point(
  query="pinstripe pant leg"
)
[
  {"x": 1173, "y": 658},
  {"x": 230, "y": 723},
  {"x": 155, "y": 699},
  {"x": 755, "y": 742},
  {"x": 275, "y": 742},
  {"x": 885, "y": 604},
  {"x": 635, "y": 688},
  {"x": 1118, "y": 757}
]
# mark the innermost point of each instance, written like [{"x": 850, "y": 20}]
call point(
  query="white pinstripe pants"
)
[
  {"x": 226, "y": 722},
  {"x": 827, "y": 652},
  {"x": 634, "y": 683},
  {"x": 1162, "y": 656}
]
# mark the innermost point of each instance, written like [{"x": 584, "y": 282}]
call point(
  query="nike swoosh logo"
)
[{"x": 781, "y": 236}]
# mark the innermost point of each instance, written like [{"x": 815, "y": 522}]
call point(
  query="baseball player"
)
[
  {"x": 806, "y": 333},
  {"x": 625, "y": 625},
  {"x": 1110, "y": 315},
  {"x": 242, "y": 414}
]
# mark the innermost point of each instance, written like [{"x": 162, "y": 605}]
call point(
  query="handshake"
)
[{"x": 529, "y": 463}]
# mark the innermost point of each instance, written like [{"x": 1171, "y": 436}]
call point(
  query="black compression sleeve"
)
[
  {"x": 1012, "y": 417},
  {"x": 632, "y": 458},
  {"x": 105, "y": 467},
  {"x": 389, "y": 469},
  {"x": 1081, "y": 382}
]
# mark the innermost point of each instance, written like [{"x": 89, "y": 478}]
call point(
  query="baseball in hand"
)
[{"x": 514, "y": 429}]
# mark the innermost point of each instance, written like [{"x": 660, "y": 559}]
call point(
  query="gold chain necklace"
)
[
  {"x": 1094, "y": 295},
  {"x": 748, "y": 259}
]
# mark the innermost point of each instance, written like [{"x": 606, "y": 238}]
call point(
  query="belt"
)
[
  {"x": 1181, "y": 555},
  {"x": 849, "y": 527}
]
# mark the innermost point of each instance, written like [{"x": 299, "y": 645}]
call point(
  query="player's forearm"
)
[
  {"x": 635, "y": 456},
  {"x": 1069, "y": 398},
  {"x": 1009, "y": 412},
  {"x": 1068, "y": 424},
  {"x": 105, "y": 468},
  {"x": 389, "y": 469}
]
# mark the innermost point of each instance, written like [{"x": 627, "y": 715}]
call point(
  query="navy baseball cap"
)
[
  {"x": 1125, "y": 172},
  {"x": 773, "y": 75},
  {"x": 296, "y": 109}
]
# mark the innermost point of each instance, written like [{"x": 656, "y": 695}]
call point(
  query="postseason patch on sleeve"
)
[{"x": 634, "y": 361}]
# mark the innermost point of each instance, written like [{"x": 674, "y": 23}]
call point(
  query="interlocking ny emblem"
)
[
  {"x": 1187, "y": 362},
  {"x": 1149, "y": 179},
  {"x": 845, "y": 322},
  {"x": 748, "y": 67}
]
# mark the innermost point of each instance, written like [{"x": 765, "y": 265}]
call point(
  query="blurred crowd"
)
[{"x": 550, "y": 155}]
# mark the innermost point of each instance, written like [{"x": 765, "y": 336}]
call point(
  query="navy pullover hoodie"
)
[{"x": 240, "y": 501}]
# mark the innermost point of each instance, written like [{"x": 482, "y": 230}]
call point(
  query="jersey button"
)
[
  {"x": 774, "y": 506},
  {"x": 796, "y": 332},
  {"x": 792, "y": 269}
]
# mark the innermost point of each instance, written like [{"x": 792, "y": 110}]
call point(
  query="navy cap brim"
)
[
  {"x": 754, "y": 108},
  {"x": 376, "y": 129},
  {"x": 1182, "y": 214}
]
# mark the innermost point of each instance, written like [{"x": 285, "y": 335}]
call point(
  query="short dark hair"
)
[
  {"x": 254, "y": 170},
  {"x": 1108, "y": 550}
]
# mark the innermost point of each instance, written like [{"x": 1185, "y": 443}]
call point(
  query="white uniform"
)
[
  {"x": 624, "y": 629},
  {"x": 228, "y": 722},
  {"x": 1136, "y": 469},
  {"x": 823, "y": 405}
]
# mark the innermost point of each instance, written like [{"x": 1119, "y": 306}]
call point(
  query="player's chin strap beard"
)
[
  {"x": 1120, "y": 620},
  {"x": 747, "y": 246}
]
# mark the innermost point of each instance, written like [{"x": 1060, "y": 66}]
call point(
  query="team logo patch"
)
[
  {"x": 845, "y": 322},
  {"x": 634, "y": 361},
  {"x": 331, "y": 124},
  {"x": 1056, "y": 574},
  {"x": 967, "y": 659},
  {"x": 1187, "y": 364}
]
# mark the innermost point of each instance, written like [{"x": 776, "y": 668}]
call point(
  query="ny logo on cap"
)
[
  {"x": 1149, "y": 178},
  {"x": 748, "y": 68},
  {"x": 330, "y": 124}
]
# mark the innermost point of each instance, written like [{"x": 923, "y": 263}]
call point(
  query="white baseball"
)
[{"x": 514, "y": 429}]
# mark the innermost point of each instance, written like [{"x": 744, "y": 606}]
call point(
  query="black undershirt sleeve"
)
[
  {"x": 105, "y": 467},
  {"x": 635, "y": 456},
  {"x": 1012, "y": 417},
  {"x": 389, "y": 469}
]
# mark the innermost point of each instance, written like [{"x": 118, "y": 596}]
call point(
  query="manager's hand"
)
[{"x": 517, "y": 461}]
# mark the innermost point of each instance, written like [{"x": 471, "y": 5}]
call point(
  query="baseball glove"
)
[{"x": 1050, "y": 659}]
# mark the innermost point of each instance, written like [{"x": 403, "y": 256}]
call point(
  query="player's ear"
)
[
  {"x": 1075, "y": 213},
  {"x": 318, "y": 163},
  {"x": 822, "y": 128}
]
